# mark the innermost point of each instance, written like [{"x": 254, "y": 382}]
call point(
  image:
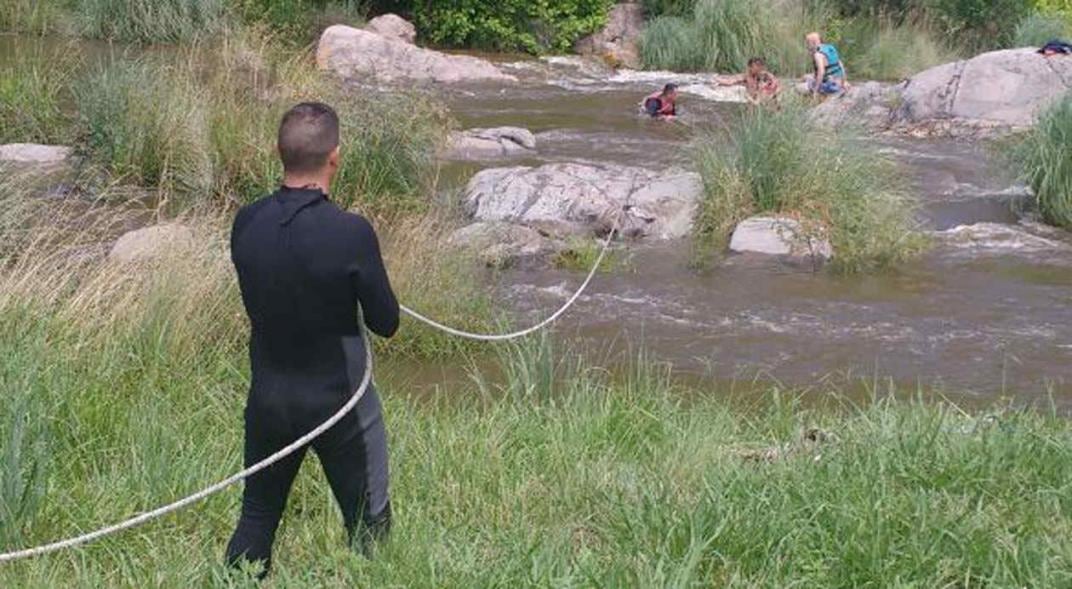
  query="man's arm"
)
[
  {"x": 369, "y": 278},
  {"x": 820, "y": 71}
]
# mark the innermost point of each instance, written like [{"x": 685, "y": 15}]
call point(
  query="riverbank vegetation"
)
[
  {"x": 125, "y": 391},
  {"x": 1044, "y": 163},
  {"x": 780, "y": 161}
]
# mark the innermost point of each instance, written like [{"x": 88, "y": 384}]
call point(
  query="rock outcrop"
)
[
  {"x": 153, "y": 243},
  {"x": 999, "y": 90},
  {"x": 495, "y": 143},
  {"x": 34, "y": 154},
  {"x": 778, "y": 236},
  {"x": 619, "y": 42},
  {"x": 564, "y": 200},
  {"x": 394, "y": 27},
  {"x": 867, "y": 104},
  {"x": 354, "y": 53},
  {"x": 500, "y": 244}
]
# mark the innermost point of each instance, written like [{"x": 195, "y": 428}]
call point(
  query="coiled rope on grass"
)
[{"x": 163, "y": 510}]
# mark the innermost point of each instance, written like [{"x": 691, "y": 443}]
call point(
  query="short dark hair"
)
[
  {"x": 307, "y": 136},
  {"x": 756, "y": 61},
  {"x": 669, "y": 88}
]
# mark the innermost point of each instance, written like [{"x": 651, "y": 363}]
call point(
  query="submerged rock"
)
[
  {"x": 619, "y": 41},
  {"x": 995, "y": 91},
  {"x": 498, "y": 142},
  {"x": 153, "y": 243},
  {"x": 778, "y": 236},
  {"x": 394, "y": 27},
  {"x": 1001, "y": 239},
  {"x": 34, "y": 153},
  {"x": 351, "y": 52},
  {"x": 866, "y": 104},
  {"x": 500, "y": 244},
  {"x": 574, "y": 199}
]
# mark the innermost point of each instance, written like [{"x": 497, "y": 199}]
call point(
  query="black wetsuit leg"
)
[{"x": 353, "y": 454}]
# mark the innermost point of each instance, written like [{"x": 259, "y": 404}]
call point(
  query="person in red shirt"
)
[{"x": 662, "y": 104}]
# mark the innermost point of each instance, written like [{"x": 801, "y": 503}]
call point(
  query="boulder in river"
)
[
  {"x": 619, "y": 41},
  {"x": 999, "y": 90},
  {"x": 352, "y": 53},
  {"x": 153, "y": 243},
  {"x": 34, "y": 154},
  {"x": 500, "y": 244},
  {"x": 394, "y": 27},
  {"x": 867, "y": 104},
  {"x": 778, "y": 236},
  {"x": 576, "y": 199},
  {"x": 498, "y": 142}
]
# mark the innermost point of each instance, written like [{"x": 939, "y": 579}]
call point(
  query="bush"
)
[
  {"x": 1045, "y": 165},
  {"x": 896, "y": 52},
  {"x": 1038, "y": 29},
  {"x": 534, "y": 26},
  {"x": 32, "y": 93},
  {"x": 656, "y": 8},
  {"x": 300, "y": 21},
  {"x": 150, "y": 21},
  {"x": 781, "y": 162}
]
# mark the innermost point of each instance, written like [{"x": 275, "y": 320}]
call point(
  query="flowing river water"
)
[{"x": 987, "y": 312}]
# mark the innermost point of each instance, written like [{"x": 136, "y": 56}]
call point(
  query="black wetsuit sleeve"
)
[{"x": 369, "y": 278}]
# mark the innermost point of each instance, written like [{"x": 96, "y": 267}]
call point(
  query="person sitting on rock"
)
[
  {"x": 1056, "y": 47},
  {"x": 830, "y": 76},
  {"x": 662, "y": 104},
  {"x": 758, "y": 81}
]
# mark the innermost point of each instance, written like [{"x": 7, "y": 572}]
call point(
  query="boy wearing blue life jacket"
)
[{"x": 830, "y": 76}]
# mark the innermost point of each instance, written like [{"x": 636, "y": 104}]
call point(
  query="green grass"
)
[
  {"x": 781, "y": 161},
  {"x": 33, "y": 90},
  {"x": 150, "y": 21},
  {"x": 35, "y": 17},
  {"x": 565, "y": 476},
  {"x": 1044, "y": 164},
  {"x": 1039, "y": 28},
  {"x": 894, "y": 52}
]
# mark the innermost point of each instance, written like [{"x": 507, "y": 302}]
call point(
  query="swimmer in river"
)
[
  {"x": 304, "y": 266},
  {"x": 661, "y": 105},
  {"x": 760, "y": 84}
]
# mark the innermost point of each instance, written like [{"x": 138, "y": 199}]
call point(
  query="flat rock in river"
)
[
  {"x": 352, "y": 53},
  {"x": 575, "y": 199},
  {"x": 778, "y": 236},
  {"x": 498, "y": 142},
  {"x": 996, "y": 90},
  {"x": 499, "y": 243}
]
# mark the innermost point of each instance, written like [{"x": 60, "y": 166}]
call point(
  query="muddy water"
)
[{"x": 981, "y": 317}]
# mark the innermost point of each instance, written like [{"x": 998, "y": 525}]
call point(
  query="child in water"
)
[
  {"x": 760, "y": 84},
  {"x": 661, "y": 105}
]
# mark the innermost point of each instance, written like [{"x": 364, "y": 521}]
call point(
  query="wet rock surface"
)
[
  {"x": 778, "y": 236},
  {"x": 500, "y": 244},
  {"x": 355, "y": 53},
  {"x": 493, "y": 143}
]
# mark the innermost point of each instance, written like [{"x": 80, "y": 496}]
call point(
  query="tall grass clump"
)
[
  {"x": 722, "y": 35},
  {"x": 34, "y": 17},
  {"x": 782, "y": 162},
  {"x": 33, "y": 92},
  {"x": 300, "y": 21},
  {"x": 150, "y": 21},
  {"x": 1044, "y": 163},
  {"x": 1039, "y": 28},
  {"x": 890, "y": 51}
]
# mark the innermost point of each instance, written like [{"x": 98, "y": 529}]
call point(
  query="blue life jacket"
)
[{"x": 834, "y": 68}]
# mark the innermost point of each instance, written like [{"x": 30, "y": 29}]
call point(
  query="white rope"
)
[
  {"x": 208, "y": 491},
  {"x": 522, "y": 333},
  {"x": 148, "y": 516}
]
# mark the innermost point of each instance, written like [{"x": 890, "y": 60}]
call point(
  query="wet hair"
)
[
  {"x": 308, "y": 134},
  {"x": 757, "y": 61},
  {"x": 667, "y": 89}
]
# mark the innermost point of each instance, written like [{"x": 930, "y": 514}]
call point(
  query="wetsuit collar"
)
[{"x": 293, "y": 200}]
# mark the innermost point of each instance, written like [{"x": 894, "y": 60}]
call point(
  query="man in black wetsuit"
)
[{"x": 303, "y": 266}]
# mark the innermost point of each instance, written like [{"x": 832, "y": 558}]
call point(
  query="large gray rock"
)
[
  {"x": 153, "y": 243},
  {"x": 498, "y": 142},
  {"x": 867, "y": 104},
  {"x": 33, "y": 153},
  {"x": 1002, "y": 89},
  {"x": 500, "y": 244},
  {"x": 394, "y": 27},
  {"x": 351, "y": 53},
  {"x": 619, "y": 41},
  {"x": 574, "y": 199},
  {"x": 778, "y": 236}
]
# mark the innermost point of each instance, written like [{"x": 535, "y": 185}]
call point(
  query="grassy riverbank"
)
[{"x": 567, "y": 476}]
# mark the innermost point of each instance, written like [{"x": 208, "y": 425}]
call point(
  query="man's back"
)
[{"x": 303, "y": 267}]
